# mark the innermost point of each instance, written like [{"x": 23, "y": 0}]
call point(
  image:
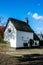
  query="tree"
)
[{"x": 2, "y": 23}]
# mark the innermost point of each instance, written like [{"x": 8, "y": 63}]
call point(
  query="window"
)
[
  {"x": 35, "y": 43},
  {"x": 25, "y": 44},
  {"x": 9, "y": 30}
]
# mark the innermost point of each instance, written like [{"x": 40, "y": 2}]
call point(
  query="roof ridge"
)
[{"x": 15, "y": 19}]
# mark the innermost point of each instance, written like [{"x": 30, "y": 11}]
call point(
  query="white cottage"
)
[{"x": 19, "y": 33}]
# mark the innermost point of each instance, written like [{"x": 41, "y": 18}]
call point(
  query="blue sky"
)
[{"x": 19, "y": 9}]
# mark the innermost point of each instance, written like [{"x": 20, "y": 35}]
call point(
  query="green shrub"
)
[{"x": 2, "y": 40}]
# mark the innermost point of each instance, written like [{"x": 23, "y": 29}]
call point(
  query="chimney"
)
[{"x": 26, "y": 20}]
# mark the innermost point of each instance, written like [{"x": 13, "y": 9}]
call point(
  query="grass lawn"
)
[{"x": 11, "y": 51}]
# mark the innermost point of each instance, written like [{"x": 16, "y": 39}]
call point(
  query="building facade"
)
[{"x": 19, "y": 33}]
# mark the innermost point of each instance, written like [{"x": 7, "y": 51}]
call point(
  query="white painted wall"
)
[
  {"x": 23, "y": 37},
  {"x": 10, "y": 37}
]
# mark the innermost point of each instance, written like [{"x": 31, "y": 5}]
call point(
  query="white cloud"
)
[
  {"x": 29, "y": 13},
  {"x": 37, "y": 17}
]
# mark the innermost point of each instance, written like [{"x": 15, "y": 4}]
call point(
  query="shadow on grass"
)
[
  {"x": 34, "y": 47},
  {"x": 26, "y": 59},
  {"x": 32, "y": 59}
]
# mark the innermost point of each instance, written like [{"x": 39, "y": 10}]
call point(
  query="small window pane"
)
[{"x": 9, "y": 30}]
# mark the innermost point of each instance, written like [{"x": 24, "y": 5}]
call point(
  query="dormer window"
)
[{"x": 9, "y": 30}]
